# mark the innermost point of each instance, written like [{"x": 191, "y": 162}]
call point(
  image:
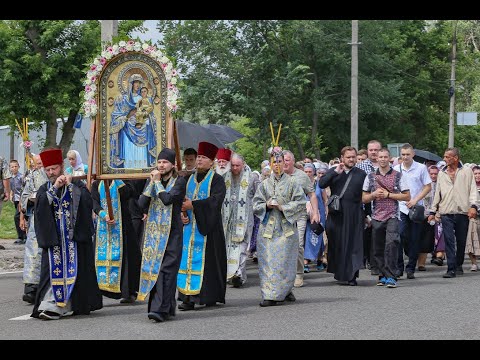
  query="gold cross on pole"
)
[{"x": 274, "y": 142}]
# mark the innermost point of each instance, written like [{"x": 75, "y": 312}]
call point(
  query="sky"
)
[{"x": 151, "y": 34}]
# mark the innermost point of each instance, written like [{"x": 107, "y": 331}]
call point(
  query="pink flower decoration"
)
[
  {"x": 27, "y": 144},
  {"x": 122, "y": 49},
  {"x": 147, "y": 51},
  {"x": 130, "y": 42},
  {"x": 88, "y": 88},
  {"x": 103, "y": 61},
  {"x": 110, "y": 49},
  {"x": 92, "y": 101},
  {"x": 93, "y": 67},
  {"x": 93, "y": 78}
]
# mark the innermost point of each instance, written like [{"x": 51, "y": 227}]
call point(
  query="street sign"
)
[{"x": 466, "y": 118}]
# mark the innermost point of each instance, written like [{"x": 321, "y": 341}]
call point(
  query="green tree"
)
[{"x": 42, "y": 66}]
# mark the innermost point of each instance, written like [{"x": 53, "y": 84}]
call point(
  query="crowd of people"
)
[{"x": 185, "y": 234}]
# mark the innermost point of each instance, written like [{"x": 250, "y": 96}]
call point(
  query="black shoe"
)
[
  {"x": 438, "y": 261},
  {"x": 186, "y": 306},
  {"x": 30, "y": 298},
  {"x": 255, "y": 260},
  {"x": 422, "y": 268},
  {"x": 49, "y": 315},
  {"x": 352, "y": 282},
  {"x": 449, "y": 274},
  {"x": 236, "y": 281},
  {"x": 290, "y": 297},
  {"x": 459, "y": 271},
  {"x": 410, "y": 275},
  {"x": 266, "y": 303},
  {"x": 18, "y": 242},
  {"x": 130, "y": 300},
  {"x": 157, "y": 317}
]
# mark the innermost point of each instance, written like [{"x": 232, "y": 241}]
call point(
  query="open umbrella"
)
[
  {"x": 224, "y": 133},
  {"x": 190, "y": 134},
  {"x": 424, "y": 155}
]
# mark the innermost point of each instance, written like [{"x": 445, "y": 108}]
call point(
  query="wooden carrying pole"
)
[
  {"x": 90, "y": 176},
  {"x": 177, "y": 146}
]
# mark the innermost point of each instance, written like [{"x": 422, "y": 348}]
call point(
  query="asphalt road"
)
[{"x": 428, "y": 307}]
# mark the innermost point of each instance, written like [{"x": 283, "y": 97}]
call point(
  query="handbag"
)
[
  {"x": 417, "y": 213},
  {"x": 333, "y": 202}
]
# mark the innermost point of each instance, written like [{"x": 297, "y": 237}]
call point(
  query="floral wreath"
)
[{"x": 90, "y": 105}]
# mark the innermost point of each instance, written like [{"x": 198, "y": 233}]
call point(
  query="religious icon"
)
[{"x": 133, "y": 126}]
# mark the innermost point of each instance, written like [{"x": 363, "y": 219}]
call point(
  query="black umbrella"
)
[
  {"x": 424, "y": 155},
  {"x": 224, "y": 133},
  {"x": 190, "y": 134}
]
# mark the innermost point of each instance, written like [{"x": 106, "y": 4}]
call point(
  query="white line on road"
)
[
  {"x": 23, "y": 317},
  {"x": 12, "y": 272}
]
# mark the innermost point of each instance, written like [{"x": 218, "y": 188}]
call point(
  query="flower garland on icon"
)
[{"x": 90, "y": 105}]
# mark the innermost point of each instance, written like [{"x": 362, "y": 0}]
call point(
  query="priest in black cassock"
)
[
  {"x": 64, "y": 229},
  {"x": 345, "y": 228},
  {"x": 202, "y": 278},
  {"x": 117, "y": 250},
  {"x": 162, "y": 246}
]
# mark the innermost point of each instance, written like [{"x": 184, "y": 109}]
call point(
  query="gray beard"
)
[{"x": 222, "y": 172}]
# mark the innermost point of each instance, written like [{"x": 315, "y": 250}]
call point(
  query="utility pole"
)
[
  {"x": 451, "y": 90},
  {"x": 12, "y": 143},
  {"x": 354, "y": 90},
  {"x": 109, "y": 29}
]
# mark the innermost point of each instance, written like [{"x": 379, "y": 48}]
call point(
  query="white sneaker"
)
[
  {"x": 474, "y": 267},
  {"x": 298, "y": 282}
]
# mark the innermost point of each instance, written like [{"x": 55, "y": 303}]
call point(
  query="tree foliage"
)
[
  {"x": 298, "y": 73},
  {"x": 42, "y": 65}
]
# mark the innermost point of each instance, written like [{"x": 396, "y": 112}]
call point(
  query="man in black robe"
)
[
  {"x": 345, "y": 228},
  {"x": 130, "y": 255},
  {"x": 202, "y": 277},
  {"x": 64, "y": 229},
  {"x": 163, "y": 239},
  {"x": 136, "y": 212}
]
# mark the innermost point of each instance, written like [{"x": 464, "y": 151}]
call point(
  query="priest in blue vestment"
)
[
  {"x": 64, "y": 227},
  {"x": 202, "y": 278},
  {"x": 162, "y": 246}
]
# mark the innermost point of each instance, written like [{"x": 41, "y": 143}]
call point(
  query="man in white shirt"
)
[{"x": 419, "y": 184}]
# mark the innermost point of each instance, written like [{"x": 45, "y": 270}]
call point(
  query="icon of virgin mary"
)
[{"x": 132, "y": 146}]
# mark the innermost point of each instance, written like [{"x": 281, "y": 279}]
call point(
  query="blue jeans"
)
[
  {"x": 409, "y": 236},
  {"x": 455, "y": 229}
]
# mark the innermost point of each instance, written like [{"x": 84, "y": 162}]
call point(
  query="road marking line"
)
[
  {"x": 23, "y": 317},
  {"x": 12, "y": 272}
]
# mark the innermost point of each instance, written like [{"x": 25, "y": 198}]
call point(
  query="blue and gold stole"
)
[
  {"x": 157, "y": 232},
  {"x": 190, "y": 275},
  {"x": 63, "y": 257},
  {"x": 109, "y": 244}
]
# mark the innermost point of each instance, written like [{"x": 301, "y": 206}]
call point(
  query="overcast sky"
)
[{"x": 151, "y": 34}]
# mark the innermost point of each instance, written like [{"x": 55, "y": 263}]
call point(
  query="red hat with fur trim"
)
[
  {"x": 207, "y": 149},
  {"x": 224, "y": 154},
  {"x": 51, "y": 157}
]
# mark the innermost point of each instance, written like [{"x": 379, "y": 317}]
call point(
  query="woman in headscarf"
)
[{"x": 77, "y": 167}]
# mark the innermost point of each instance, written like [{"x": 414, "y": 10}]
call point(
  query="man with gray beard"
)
[
  {"x": 301, "y": 179},
  {"x": 237, "y": 214},
  {"x": 223, "y": 161},
  {"x": 33, "y": 254}
]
